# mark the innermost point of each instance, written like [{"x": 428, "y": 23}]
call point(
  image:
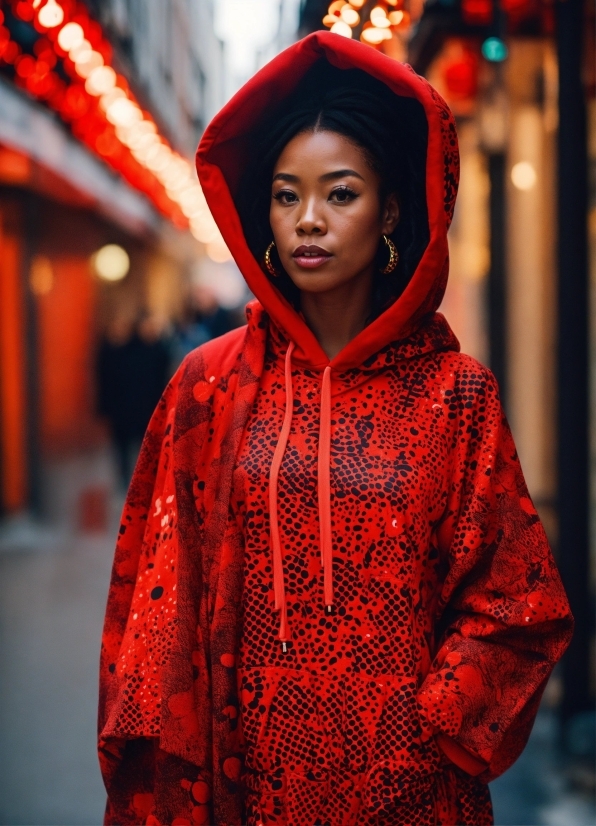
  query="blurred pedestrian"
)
[
  {"x": 333, "y": 601},
  {"x": 203, "y": 319},
  {"x": 215, "y": 319},
  {"x": 132, "y": 371}
]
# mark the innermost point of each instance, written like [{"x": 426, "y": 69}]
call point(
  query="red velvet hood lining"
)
[{"x": 223, "y": 154}]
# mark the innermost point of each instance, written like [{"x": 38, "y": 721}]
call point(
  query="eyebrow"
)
[
  {"x": 341, "y": 173},
  {"x": 329, "y": 176}
]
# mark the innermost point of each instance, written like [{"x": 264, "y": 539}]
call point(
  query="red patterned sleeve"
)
[
  {"x": 132, "y": 764},
  {"x": 504, "y": 617}
]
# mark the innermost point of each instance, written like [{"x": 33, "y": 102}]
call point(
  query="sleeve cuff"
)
[{"x": 459, "y": 755}]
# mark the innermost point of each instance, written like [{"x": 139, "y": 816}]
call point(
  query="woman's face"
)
[{"x": 325, "y": 214}]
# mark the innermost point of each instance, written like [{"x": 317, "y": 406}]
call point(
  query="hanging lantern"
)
[
  {"x": 477, "y": 12},
  {"x": 461, "y": 76}
]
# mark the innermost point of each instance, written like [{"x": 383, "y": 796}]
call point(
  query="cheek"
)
[
  {"x": 358, "y": 229},
  {"x": 281, "y": 224}
]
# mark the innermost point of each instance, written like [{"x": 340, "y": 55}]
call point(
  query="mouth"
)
[{"x": 311, "y": 256}]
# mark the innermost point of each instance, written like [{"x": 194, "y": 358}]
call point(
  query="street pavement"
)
[
  {"x": 53, "y": 596},
  {"x": 50, "y": 623}
]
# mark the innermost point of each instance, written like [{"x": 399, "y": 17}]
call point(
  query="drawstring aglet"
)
[
  {"x": 329, "y": 609},
  {"x": 284, "y": 646}
]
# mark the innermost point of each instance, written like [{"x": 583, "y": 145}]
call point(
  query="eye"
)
[
  {"x": 343, "y": 195},
  {"x": 285, "y": 196}
]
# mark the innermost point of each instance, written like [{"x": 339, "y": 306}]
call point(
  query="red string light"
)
[{"x": 100, "y": 108}]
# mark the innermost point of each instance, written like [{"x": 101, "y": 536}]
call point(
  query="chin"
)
[{"x": 317, "y": 282}]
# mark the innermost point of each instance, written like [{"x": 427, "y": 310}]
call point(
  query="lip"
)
[{"x": 310, "y": 256}]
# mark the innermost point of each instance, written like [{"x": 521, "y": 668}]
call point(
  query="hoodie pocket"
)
[
  {"x": 306, "y": 797},
  {"x": 341, "y": 750},
  {"x": 404, "y": 756},
  {"x": 283, "y": 723},
  {"x": 404, "y": 797},
  {"x": 388, "y": 644}
]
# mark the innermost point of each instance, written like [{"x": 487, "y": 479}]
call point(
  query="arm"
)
[
  {"x": 133, "y": 766},
  {"x": 505, "y": 618}
]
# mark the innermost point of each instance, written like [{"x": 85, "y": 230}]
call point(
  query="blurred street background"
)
[{"x": 112, "y": 270}]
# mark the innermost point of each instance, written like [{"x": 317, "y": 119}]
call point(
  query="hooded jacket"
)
[{"x": 388, "y": 475}]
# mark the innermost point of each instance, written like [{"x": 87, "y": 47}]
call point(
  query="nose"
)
[{"x": 311, "y": 220}]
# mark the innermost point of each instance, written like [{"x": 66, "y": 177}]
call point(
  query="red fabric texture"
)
[
  {"x": 331, "y": 730},
  {"x": 448, "y": 613}
]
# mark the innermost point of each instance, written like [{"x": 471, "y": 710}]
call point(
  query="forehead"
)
[{"x": 322, "y": 151}]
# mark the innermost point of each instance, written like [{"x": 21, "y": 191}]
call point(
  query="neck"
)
[{"x": 338, "y": 315}]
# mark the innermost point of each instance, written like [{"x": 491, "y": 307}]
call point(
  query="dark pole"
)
[
  {"x": 31, "y": 212},
  {"x": 497, "y": 276},
  {"x": 497, "y": 279},
  {"x": 573, "y": 499}
]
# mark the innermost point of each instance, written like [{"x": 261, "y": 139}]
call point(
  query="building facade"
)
[
  {"x": 76, "y": 177},
  {"x": 170, "y": 49}
]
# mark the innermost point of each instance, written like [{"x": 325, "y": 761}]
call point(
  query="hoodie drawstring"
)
[
  {"x": 278, "y": 569},
  {"x": 325, "y": 489},
  {"x": 324, "y": 497}
]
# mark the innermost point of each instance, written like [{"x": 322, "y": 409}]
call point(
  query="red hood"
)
[{"x": 223, "y": 155}]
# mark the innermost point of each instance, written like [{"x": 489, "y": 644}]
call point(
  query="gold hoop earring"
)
[
  {"x": 393, "y": 256},
  {"x": 269, "y": 263}
]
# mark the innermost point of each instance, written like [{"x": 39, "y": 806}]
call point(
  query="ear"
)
[{"x": 390, "y": 214}]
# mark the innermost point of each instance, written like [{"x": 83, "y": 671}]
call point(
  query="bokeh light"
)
[
  {"x": 50, "y": 15},
  {"x": 101, "y": 80},
  {"x": 70, "y": 36},
  {"x": 111, "y": 263},
  {"x": 350, "y": 16},
  {"x": 494, "y": 50},
  {"x": 386, "y": 19},
  {"x": 378, "y": 18},
  {"x": 341, "y": 28},
  {"x": 523, "y": 176},
  {"x": 41, "y": 275}
]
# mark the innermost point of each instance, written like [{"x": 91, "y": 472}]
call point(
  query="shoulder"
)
[
  {"x": 465, "y": 368},
  {"x": 466, "y": 383}
]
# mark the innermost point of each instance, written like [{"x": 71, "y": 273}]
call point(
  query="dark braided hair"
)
[{"x": 391, "y": 131}]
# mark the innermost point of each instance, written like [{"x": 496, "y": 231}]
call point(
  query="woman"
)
[{"x": 332, "y": 599}]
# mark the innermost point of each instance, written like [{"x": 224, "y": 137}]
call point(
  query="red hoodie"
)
[{"x": 332, "y": 599}]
